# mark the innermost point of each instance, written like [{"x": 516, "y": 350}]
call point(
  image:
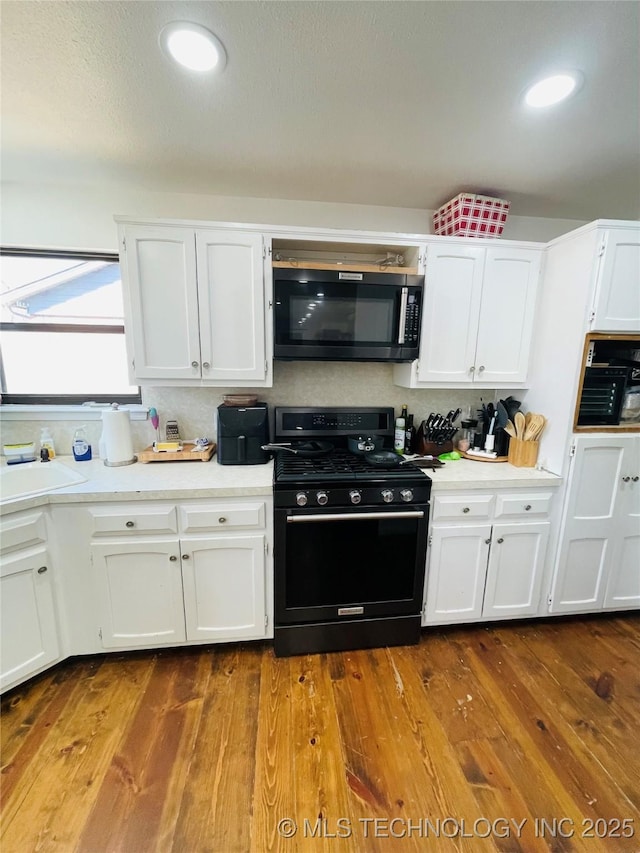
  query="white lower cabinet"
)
[
  {"x": 28, "y": 627},
  {"x": 203, "y": 586},
  {"x": 490, "y": 570},
  {"x": 598, "y": 565}
]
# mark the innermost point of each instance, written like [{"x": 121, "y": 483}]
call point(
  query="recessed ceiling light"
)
[
  {"x": 193, "y": 46},
  {"x": 552, "y": 90}
]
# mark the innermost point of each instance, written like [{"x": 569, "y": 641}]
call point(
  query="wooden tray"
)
[
  {"x": 483, "y": 458},
  {"x": 187, "y": 454}
]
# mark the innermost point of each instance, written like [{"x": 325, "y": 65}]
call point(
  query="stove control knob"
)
[
  {"x": 301, "y": 499},
  {"x": 406, "y": 495},
  {"x": 355, "y": 497},
  {"x": 387, "y": 496},
  {"x": 322, "y": 498}
]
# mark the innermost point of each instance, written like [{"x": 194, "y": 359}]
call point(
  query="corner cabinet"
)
[
  {"x": 196, "y": 303},
  {"x": 478, "y": 315},
  {"x": 28, "y": 628},
  {"x": 598, "y": 564}
]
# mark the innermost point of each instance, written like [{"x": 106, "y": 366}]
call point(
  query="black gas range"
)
[{"x": 350, "y": 536}]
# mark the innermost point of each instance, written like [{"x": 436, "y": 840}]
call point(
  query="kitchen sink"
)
[{"x": 33, "y": 478}]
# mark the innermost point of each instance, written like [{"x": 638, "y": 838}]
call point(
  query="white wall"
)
[{"x": 72, "y": 218}]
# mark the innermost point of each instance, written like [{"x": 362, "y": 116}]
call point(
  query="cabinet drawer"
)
[
  {"x": 198, "y": 519},
  {"x": 464, "y": 507},
  {"x": 23, "y": 531},
  {"x": 134, "y": 519},
  {"x": 508, "y": 506}
]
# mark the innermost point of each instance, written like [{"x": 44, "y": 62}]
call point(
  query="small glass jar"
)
[{"x": 465, "y": 438}]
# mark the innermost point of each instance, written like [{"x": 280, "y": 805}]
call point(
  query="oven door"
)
[{"x": 350, "y": 563}]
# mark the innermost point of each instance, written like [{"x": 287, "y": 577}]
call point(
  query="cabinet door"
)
[
  {"x": 457, "y": 572},
  {"x": 28, "y": 633},
  {"x": 224, "y": 590},
  {"x": 515, "y": 569},
  {"x": 623, "y": 589},
  {"x": 588, "y": 538},
  {"x": 453, "y": 287},
  {"x": 161, "y": 302},
  {"x": 617, "y": 306},
  {"x": 139, "y": 593},
  {"x": 507, "y": 312},
  {"x": 231, "y": 294}
]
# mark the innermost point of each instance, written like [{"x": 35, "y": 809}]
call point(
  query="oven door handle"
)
[
  {"x": 354, "y": 516},
  {"x": 403, "y": 315}
]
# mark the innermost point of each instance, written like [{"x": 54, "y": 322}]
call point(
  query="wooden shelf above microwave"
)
[
  {"x": 625, "y": 341},
  {"x": 358, "y": 266}
]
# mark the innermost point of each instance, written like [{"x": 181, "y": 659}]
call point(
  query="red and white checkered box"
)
[{"x": 469, "y": 215}]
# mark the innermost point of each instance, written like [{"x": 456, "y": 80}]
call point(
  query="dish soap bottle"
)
[
  {"x": 400, "y": 433},
  {"x": 81, "y": 447},
  {"x": 46, "y": 442}
]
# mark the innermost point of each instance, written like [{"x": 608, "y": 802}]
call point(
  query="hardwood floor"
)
[{"x": 520, "y": 737}]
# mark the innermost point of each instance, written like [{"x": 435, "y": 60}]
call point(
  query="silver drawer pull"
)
[
  {"x": 173, "y": 558},
  {"x": 528, "y": 507},
  {"x": 222, "y": 519},
  {"x": 130, "y": 524},
  {"x": 42, "y": 570},
  {"x": 500, "y": 541},
  {"x": 465, "y": 509},
  {"x": 185, "y": 556}
]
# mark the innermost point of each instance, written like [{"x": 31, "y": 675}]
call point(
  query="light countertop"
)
[{"x": 186, "y": 480}]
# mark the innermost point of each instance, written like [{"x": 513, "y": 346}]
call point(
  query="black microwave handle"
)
[{"x": 402, "y": 321}]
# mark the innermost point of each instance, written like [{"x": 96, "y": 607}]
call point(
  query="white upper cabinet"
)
[
  {"x": 617, "y": 295},
  {"x": 195, "y": 305},
  {"x": 479, "y": 308}
]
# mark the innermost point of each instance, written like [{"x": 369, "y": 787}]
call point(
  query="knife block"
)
[{"x": 430, "y": 448}]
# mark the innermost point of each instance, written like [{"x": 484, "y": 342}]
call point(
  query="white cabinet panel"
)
[
  {"x": 28, "y": 632},
  {"x": 231, "y": 293},
  {"x": 139, "y": 589},
  {"x": 617, "y": 307},
  {"x": 506, "y": 315},
  {"x": 462, "y": 507},
  {"x": 601, "y": 525},
  {"x": 453, "y": 288},
  {"x": 514, "y": 574},
  {"x": 224, "y": 593},
  {"x": 457, "y": 571},
  {"x": 159, "y": 266}
]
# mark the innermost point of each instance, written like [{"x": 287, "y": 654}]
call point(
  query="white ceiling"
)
[{"x": 392, "y": 103}]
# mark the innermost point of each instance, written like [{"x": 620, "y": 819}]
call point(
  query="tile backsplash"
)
[{"x": 295, "y": 384}]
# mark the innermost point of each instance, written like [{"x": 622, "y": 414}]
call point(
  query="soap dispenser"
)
[{"x": 46, "y": 442}]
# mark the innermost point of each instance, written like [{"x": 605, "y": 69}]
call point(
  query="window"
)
[{"x": 62, "y": 329}]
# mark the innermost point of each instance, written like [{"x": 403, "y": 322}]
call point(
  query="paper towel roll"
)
[{"x": 116, "y": 438}]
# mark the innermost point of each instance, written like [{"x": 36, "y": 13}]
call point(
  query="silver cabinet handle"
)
[
  {"x": 42, "y": 570},
  {"x": 635, "y": 479},
  {"x": 173, "y": 558},
  {"x": 626, "y": 479},
  {"x": 222, "y": 519},
  {"x": 481, "y": 368},
  {"x": 194, "y": 364},
  {"x": 500, "y": 541},
  {"x": 206, "y": 365},
  {"x": 527, "y": 507},
  {"x": 472, "y": 368},
  {"x": 130, "y": 524},
  {"x": 185, "y": 556},
  {"x": 354, "y": 516},
  {"x": 465, "y": 509},
  {"x": 487, "y": 541}
]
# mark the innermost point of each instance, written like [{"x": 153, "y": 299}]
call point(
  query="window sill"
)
[{"x": 91, "y": 412}]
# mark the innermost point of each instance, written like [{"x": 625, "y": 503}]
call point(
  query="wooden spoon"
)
[
  {"x": 532, "y": 422},
  {"x": 510, "y": 429},
  {"x": 519, "y": 422}
]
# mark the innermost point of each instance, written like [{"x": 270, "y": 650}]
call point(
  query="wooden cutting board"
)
[{"x": 187, "y": 454}]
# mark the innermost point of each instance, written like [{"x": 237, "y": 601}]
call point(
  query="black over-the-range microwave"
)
[{"x": 335, "y": 315}]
